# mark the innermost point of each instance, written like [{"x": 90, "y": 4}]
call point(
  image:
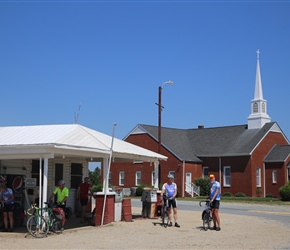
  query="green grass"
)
[{"x": 249, "y": 200}]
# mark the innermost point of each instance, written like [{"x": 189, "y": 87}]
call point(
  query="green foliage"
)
[
  {"x": 240, "y": 194},
  {"x": 95, "y": 176},
  {"x": 203, "y": 184},
  {"x": 227, "y": 194},
  {"x": 258, "y": 192},
  {"x": 139, "y": 189},
  {"x": 285, "y": 192},
  {"x": 97, "y": 188},
  {"x": 270, "y": 196}
]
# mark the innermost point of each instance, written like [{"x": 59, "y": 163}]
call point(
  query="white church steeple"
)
[{"x": 258, "y": 116}]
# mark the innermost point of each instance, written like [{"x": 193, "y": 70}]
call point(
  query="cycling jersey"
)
[
  {"x": 169, "y": 189},
  {"x": 213, "y": 187}
]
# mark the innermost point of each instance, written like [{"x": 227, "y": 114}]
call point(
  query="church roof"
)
[
  {"x": 192, "y": 144},
  {"x": 279, "y": 153}
]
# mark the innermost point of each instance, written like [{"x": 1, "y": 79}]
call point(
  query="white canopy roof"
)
[{"x": 69, "y": 140}]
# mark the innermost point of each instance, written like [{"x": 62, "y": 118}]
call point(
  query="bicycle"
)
[
  {"x": 43, "y": 219},
  {"x": 206, "y": 215},
  {"x": 164, "y": 210}
]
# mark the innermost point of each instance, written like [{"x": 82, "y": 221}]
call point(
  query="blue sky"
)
[{"x": 110, "y": 57}]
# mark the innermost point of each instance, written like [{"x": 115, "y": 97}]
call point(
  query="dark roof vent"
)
[{"x": 200, "y": 126}]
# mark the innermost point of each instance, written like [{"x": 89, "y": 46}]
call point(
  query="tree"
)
[{"x": 95, "y": 176}]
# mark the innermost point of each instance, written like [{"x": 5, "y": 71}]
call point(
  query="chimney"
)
[{"x": 200, "y": 126}]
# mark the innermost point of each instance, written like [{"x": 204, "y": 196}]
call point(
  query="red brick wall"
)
[{"x": 258, "y": 158}]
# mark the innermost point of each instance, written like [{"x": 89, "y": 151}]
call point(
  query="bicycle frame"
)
[{"x": 206, "y": 215}]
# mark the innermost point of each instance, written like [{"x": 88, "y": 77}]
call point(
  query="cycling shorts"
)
[
  {"x": 172, "y": 203},
  {"x": 215, "y": 204},
  {"x": 8, "y": 208}
]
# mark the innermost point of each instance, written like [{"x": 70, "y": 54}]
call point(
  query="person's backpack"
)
[{"x": 59, "y": 214}]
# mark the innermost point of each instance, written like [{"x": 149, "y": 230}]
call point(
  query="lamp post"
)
[{"x": 159, "y": 124}]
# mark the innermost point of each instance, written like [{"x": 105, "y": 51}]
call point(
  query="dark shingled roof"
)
[
  {"x": 278, "y": 153},
  {"x": 190, "y": 144}
]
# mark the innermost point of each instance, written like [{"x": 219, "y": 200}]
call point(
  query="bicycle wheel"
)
[
  {"x": 165, "y": 218},
  {"x": 37, "y": 226},
  {"x": 56, "y": 226},
  {"x": 206, "y": 221}
]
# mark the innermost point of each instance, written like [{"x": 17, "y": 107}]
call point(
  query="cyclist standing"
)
[
  {"x": 7, "y": 200},
  {"x": 215, "y": 197},
  {"x": 170, "y": 189}
]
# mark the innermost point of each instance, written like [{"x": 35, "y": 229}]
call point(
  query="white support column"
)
[
  {"x": 45, "y": 174},
  {"x": 40, "y": 183},
  {"x": 156, "y": 166},
  {"x": 105, "y": 174}
]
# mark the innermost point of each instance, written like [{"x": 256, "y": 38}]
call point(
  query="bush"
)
[
  {"x": 97, "y": 188},
  {"x": 227, "y": 194},
  {"x": 285, "y": 192},
  {"x": 139, "y": 189},
  {"x": 203, "y": 184},
  {"x": 270, "y": 196},
  {"x": 240, "y": 194}
]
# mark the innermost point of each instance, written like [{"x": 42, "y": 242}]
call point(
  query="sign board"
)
[{"x": 30, "y": 182}]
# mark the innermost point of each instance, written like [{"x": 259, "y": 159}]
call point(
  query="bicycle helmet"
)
[{"x": 61, "y": 182}]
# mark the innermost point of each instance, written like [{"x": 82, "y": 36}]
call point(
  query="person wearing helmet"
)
[
  {"x": 169, "y": 189},
  {"x": 215, "y": 197},
  {"x": 61, "y": 193}
]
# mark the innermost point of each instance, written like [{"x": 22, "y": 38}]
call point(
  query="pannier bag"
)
[{"x": 59, "y": 214}]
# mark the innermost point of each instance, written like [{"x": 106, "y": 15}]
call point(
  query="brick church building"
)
[{"x": 252, "y": 158}]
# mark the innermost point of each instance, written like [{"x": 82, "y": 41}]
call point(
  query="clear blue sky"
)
[{"x": 111, "y": 56}]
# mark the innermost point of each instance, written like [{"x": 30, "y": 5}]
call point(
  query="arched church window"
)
[
  {"x": 263, "y": 107},
  {"x": 255, "y": 108}
]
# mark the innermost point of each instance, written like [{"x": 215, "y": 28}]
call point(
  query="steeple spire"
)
[
  {"x": 258, "y": 116},
  {"x": 258, "y": 87}
]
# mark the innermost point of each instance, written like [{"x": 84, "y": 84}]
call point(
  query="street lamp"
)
[{"x": 159, "y": 123}]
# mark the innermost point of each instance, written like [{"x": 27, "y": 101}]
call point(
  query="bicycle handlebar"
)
[{"x": 208, "y": 200}]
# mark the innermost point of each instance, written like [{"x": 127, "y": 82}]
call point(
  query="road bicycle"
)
[
  {"x": 42, "y": 220},
  {"x": 206, "y": 215},
  {"x": 164, "y": 212}
]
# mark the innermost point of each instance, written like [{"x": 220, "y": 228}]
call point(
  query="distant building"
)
[{"x": 252, "y": 158}]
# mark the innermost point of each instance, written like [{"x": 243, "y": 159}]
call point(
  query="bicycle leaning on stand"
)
[
  {"x": 41, "y": 220},
  {"x": 206, "y": 215}
]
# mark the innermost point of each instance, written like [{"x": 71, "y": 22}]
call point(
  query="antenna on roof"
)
[{"x": 77, "y": 114}]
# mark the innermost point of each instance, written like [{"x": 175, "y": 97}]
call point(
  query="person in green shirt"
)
[{"x": 61, "y": 193}]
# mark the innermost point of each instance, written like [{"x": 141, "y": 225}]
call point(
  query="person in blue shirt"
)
[
  {"x": 170, "y": 189},
  {"x": 215, "y": 196},
  {"x": 7, "y": 200}
]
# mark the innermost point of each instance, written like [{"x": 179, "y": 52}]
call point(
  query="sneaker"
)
[
  {"x": 62, "y": 229},
  {"x": 218, "y": 229},
  {"x": 170, "y": 224},
  {"x": 5, "y": 230},
  {"x": 10, "y": 230},
  {"x": 176, "y": 224},
  {"x": 213, "y": 228}
]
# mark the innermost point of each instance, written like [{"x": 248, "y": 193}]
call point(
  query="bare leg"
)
[
  {"x": 5, "y": 218},
  {"x": 11, "y": 219},
  {"x": 175, "y": 214}
]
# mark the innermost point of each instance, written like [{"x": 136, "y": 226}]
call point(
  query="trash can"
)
[
  {"x": 133, "y": 191},
  {"x": 118, "y": 202}
]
